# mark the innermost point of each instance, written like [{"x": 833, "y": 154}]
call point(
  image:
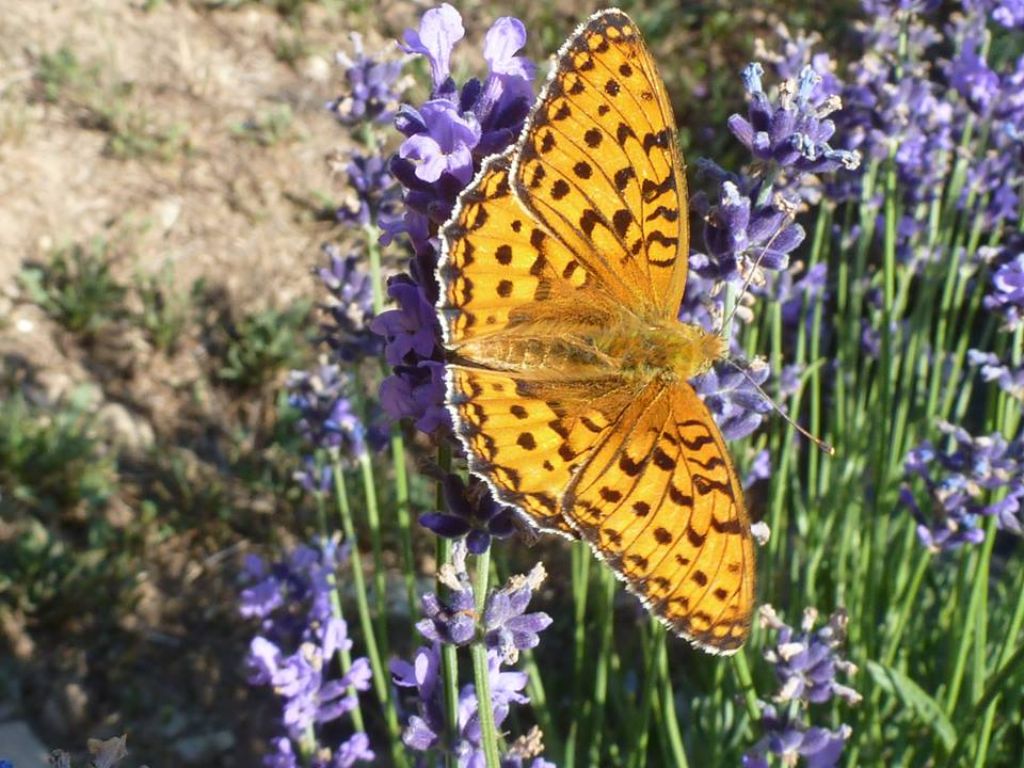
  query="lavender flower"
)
[
  {"x": 1010, "y": 380},
  {"x": 971, "y": 76},
  {"x": 416, "y": 389},
  {"x": 799, "y": 296},
  {"x": 448, "y": 136},
  {"x": 789, "y": 740},
  {"x": 506, "y": 629},
  {"x": 300, "y": 639},
  {"x": 417, "y": 392},
  {"x": 373, "y": 88},
  {"x": 410, "y": 331},
  {"x": 735, "y": 402},
  {"x": 327, "y": 419},
  {"x": 1007, "y": 293},
  {"x": 760, "y": 469},
  {"x": 794, "y": 134},
  {"x": 806, "y": 664},
  {"x": 373, "y": 194},
  {"x": 347, "y": 311},
  {"x": 472, "y": 512},
  {"x": 739, "y": 234},
  {"x": 976, "y": 477},
  {"x": 451, "y": 621}
]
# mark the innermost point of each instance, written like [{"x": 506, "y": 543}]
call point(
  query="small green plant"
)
[
  {"x": 135, "y": 136},
  {"x": 61, "y": 71},
  {"x": 165, "y": 311},
  {"x": 269, "y": 128},
  {"x": 51, "y": 460},
  {"x": 263, "y": 344},
  {"x": 133, "y": 132},
  {"x": 76, "y": 287},
  {"x": 289, "y": 48}
]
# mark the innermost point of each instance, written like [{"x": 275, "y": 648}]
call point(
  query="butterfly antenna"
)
[
  {"x": 826, "y": 447},
  {"x": 790, "y": 216}
]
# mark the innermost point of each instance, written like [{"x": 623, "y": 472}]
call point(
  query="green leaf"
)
[{"x": 925, "y": 708}]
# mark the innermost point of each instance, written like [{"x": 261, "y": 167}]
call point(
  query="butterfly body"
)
[
  {"x": 611, "y": 343},
  {"x": 561, "y": 276}
]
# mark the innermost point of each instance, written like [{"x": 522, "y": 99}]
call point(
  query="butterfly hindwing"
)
[
  {"x": 527, "y": 439},
  {"x": 599, "y": 166},
  {"x": 660, "y": 502}
]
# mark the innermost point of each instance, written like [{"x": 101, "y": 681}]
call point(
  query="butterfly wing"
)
[
  {"x": 527, "y": 438},
  {"x": 660, "y": 502},
  {"x": 598, "y": 165},
  {"x": 500, "y": 268}
]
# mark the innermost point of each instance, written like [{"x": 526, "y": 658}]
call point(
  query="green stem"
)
[
  {"x": 379, "y": 572},
  {"x": 979, "y": 583},
  {"x": 600, "y": 695},
  {"x": 481, "y": 674},
  {"x": 380, "y": 680},
  {"x": 908, "y": 603},
  {"x": 449, "y": 655},
  {"x": 670, "y": 724}
]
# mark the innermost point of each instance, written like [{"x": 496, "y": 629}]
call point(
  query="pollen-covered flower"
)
[
  {"x": 806, "y": 662},
  {"x": 795, "y": 132}
]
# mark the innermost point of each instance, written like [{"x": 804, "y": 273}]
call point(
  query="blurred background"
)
[{"x": 167, "y": 178}]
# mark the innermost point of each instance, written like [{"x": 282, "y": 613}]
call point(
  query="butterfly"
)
[{"x": 561, "y": 274}]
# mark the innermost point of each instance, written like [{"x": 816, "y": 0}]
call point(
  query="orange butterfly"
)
[{"x": 561, "y": 274}]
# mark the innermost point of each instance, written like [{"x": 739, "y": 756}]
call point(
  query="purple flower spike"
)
[
  {"x": 445, "y": 146},
  {"x": 411, "y": 330},
  {"x": 508, "y": 628},
  {"x": 505, "y": 628},
  {"x": 451, "y": 621},
  {"x": 961, "y": 483},
  {"x": 327, "y": 419},
  {"x": 440, "y": 29},
  {"x": 1007, "y": 293},
  {"x": 345, "y": 316},
  {"x": 417, "y": 393},
  {"x": 372, "y": 87},
  {"x": 1010, "y": 380},
  {"x": 972, "y": 78},
  {"x": 806, "y": 664},
  {"x": 297, "y": 649},
  {"x": 794, "y": 134}
]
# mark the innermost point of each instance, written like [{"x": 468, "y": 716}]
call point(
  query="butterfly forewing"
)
[{"x": 598, "y": 164}]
